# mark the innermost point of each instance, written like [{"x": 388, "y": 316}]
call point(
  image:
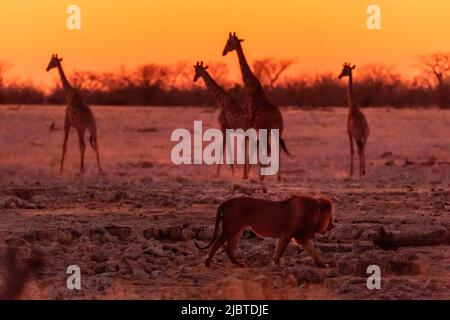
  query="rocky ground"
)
[{"x": 132, "y": 231}]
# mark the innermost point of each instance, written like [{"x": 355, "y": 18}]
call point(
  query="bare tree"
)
[
  {"x": 269, "y": 70},
  {"x": 180, "y": 75},
  {"x": 2, "y": 72},
  {"x": 437, "y": 65},
  {"x": 379, "y": 73},
  {"x": 151, "y": 75},
  {"x": 3, "y": 67},
  {"x": 219, "y": 71},
  {"x": 86, "y": 80}
]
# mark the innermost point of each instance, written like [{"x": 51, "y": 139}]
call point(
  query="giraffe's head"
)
[
  {"x": 232, "y": 44},
  {"x": 200, "y": 70},
  {"x": 346, "y": 70},
  {"x": 54, "y": 62}
]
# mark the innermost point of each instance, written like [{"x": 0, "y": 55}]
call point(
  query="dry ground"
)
[{"x": 132, "y": 231}]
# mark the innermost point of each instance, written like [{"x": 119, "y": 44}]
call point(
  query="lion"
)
[{"x": 298, "y": 217}]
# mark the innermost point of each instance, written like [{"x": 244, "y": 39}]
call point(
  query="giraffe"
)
[
  {"x": 78, "y": 115},
  {"x": 264, "y": 114},
  {"x": 231, "y": 116},
  {"x": 357, "y": 126}
]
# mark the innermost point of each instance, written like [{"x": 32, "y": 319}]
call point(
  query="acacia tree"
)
[
  {"x": 437, "y": 65},
  {"x": 179, "y": 76},
  {"x": 2, "y": 73},
  {"x": 269, "y": 70},
  {"x": 152, "y": 75},
  {"x": 3, "y": 67}
]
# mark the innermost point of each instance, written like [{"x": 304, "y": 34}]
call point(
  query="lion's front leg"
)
[
  {"x": 309, "y": 247},
  {"x": 282, "y": 243}
]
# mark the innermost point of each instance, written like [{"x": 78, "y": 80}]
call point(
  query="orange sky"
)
[{"x": 319, "y": 34}]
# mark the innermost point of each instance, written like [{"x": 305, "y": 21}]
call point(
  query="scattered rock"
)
[
  {"x": 400, "y": 266},
  {"x": 308, "y": 274},
  {"x": 369, "y": 234},
  {"x": 122, "y": 233},
  {"x": 117, "y": 196},
  {"x": 99, "y": 256},
  {"x": 145, "y": 165},
  {"x": 386, "y": 154},
  {"x": 11, "y": 202},
  {"x": 147, "y": 130},
  {"x": 175, "y": 233},
  {"x": 133, "y": 252},
  {"x": 431, "y": 161},
  {"x": 38, "y": 235},
  {"x": 433, "y": 236},
  {"x": 97, "y": 235},
  {"x": 156, "y": 273},
  {"x": 153, "y": 251},
  {"x": 389, "y": 163},
  {"x": 201, "y": 232},
  {"x": 362, "y": 246},
  {"x": 334, "y": 247},
  {"x": 344, "y": 232},
  {"x": 101, "y": 268},
  {"x": 138, "y": 269}
]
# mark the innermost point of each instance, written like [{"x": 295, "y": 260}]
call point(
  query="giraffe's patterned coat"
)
[{"x": 78, "y": 115}]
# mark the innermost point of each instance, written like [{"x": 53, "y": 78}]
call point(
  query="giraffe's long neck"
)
[
  {"x": 351, "y": 96},
  {"x": 65, "y": 82},
  {"x": 251, "y": 83},
  {"x": 216, "y": 91}
]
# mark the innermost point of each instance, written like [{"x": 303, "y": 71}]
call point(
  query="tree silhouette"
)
[
  {"x": 269, "y": 70},
  {"x": 437, "y": 65}
]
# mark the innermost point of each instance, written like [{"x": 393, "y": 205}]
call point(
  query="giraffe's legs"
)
[
  {"x": 225, "y": 151},
  {"x": 94, "y": 144},
  {"x": 279, "y": 159},
  {"x": 82, "y": 148},
  {"x": 364, "y": 159},
  {"x": 231, "y": 152},
  {"x": 223, "y": 155},
  {"x": 269, "y": 153},
  {"x": 360, "y": 155},
  {"x": 279, "y": 166},
  {"x": 246, "y": 148},
  {"x": 360, "y": 145},
  {"x": 261, "y": 177},
  {"x": 250, "y": 156},
  {"x": 64, "y": 147},
  {"x": 352, "y": 152}
]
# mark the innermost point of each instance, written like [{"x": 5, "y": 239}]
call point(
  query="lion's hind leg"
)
[
  {"x": 215, "y": 246},
  {"x": 231, "y": 247}
]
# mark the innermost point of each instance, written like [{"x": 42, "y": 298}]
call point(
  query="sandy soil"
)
[{"x": 132, "y": 231}]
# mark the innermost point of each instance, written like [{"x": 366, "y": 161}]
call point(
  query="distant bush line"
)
[{"x": 159, "y": 85}]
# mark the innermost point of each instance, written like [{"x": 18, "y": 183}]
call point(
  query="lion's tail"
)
[
  {"x": 219, "y": 217},
  {"x": 283, "y": 146}
]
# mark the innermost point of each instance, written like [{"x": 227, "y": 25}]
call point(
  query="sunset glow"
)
[{"x": 319, "y": 35}]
